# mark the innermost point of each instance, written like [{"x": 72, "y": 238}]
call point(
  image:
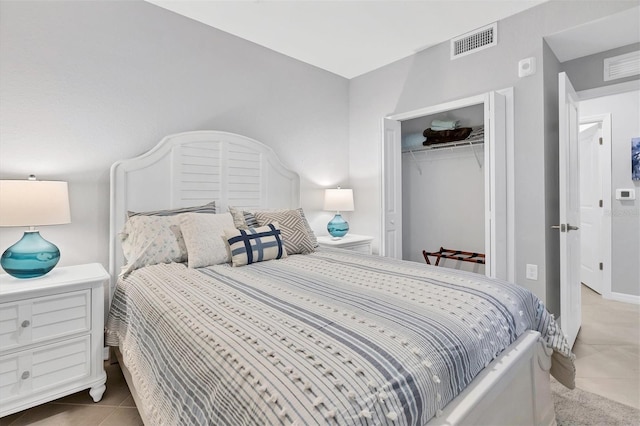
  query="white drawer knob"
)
[
  {"x": 26, "y": 323},
  {"x": 25, "y": 375}
]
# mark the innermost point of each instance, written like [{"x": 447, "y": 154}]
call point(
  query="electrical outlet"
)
[{"x": 532, "y": 272}]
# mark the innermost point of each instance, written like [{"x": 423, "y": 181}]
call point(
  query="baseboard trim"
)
[{"x": 623, "y": 297}]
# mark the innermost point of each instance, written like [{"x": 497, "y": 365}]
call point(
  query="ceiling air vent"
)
[
  {"x": 622, "y": 66},
  {"x": 474, "y": 41}
]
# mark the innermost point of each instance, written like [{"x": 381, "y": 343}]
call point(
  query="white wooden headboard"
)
[{"x": 194, "y": 168}]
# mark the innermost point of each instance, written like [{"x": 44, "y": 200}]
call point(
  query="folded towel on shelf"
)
[
  {"x": 445, "y": 124},
  {"x": 410, "y": 141}
]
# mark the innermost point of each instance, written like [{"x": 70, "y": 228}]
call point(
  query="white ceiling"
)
[
  {"x": 604, "y": 34},
  {"x": 347, "y": 37},
  {"x": 350, "y": 38}
]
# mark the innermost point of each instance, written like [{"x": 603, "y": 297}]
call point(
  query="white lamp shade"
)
[
  {"x": 339, "y": 200},
  {"x": 34, "y": 203}
]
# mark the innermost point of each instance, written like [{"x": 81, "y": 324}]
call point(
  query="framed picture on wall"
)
[{"x": 635, "y": 158}]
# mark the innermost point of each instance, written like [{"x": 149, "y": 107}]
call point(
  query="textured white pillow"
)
[
  {"x": 149, "y": 240},
  {"x": 205, "y": 239}
]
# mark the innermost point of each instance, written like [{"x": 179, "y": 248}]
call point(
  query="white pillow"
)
[
  {"x": 205, "y": 239},
  {"x": 149, "y": 240}
]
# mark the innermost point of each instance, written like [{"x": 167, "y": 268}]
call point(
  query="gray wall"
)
[
  {"x": 84, "y": 84},
  {"x": 551, "y": 69},
  {"x": 587, "y": 72},
  {"x": 430, "y": 77}
]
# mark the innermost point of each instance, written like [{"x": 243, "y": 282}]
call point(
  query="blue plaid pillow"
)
[{"x": 255, "y": 244}]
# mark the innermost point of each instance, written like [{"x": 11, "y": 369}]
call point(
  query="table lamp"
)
[
  {"x": 338, "y": 200},
  {"x": 32, "y": 203}
]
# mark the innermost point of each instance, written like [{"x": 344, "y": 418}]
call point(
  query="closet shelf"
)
[
  {"x": 450, "y": 145},
  {"x": 447, "y": 145}
]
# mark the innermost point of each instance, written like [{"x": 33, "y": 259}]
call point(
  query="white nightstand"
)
[
  {"x": 359, "y": 243},
  {"x": 51, "y": 336}
]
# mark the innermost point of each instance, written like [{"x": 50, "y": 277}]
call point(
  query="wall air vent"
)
[
  {"x": 622, "y": 66},
  {"x": 474, "y": 41}
]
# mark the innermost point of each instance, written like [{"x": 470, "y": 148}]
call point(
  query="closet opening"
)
[
  {"x": 456, "y": 195},
  {"x": 443, "y": 186}
]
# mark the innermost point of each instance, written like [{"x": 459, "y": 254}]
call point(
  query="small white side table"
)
[
  {"x": 359, "y": 243},
  {"x": 52, "y": 336}
]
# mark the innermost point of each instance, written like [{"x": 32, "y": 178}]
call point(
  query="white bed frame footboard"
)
[
  {"x": 513, "y": 390},
  {"x": 198, "y": 167}
]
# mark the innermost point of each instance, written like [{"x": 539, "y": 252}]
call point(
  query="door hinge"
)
[
  {"x": 600, "y": 140},
  {"x": 601, "y": 266},
  {"x": 601, "y": 203}
]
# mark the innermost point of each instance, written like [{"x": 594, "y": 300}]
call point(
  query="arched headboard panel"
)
[{"x": 194, "y": 168}]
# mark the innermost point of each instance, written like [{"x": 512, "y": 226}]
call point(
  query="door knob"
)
[
  {"x": 572, "y": 228},
  {"x": 561, "y": 227}
]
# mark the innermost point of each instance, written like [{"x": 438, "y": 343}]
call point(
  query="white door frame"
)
[
  {"x": 604, "y": 120},
  {"x": 505, "y": 224}
]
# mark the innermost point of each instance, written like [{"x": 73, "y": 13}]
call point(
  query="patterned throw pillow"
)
[
  {"x": 149, "y": 240},
  {"x": 244, "y": 219},
  {"x": 312, "y": 236},
  {"x": 209, "y": 208},
  {"x": 204, "y": 238},
  {"x": 255, "y": 244},
  {"x": 294, "y": 234}
]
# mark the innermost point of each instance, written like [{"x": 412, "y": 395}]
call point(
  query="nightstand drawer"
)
[
  {"x": 45, "y": 318},
  {"x": 357, "y": 243},
  {"x": 360, "y": 248},
  {"x": 44, "y": 368}
]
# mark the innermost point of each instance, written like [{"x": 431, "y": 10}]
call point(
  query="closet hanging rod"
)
[
  {"x": 447, "y": 145},
  {"x": 450, "y": 145}
]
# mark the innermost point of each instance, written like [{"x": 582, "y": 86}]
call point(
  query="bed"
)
[{"x": 324, "y": 337}]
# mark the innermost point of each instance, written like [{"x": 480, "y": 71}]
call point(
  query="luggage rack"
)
[{"x": 443, "y": 253}]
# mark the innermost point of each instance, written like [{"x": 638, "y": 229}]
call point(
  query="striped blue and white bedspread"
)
[{"x": 332, "y": 337}]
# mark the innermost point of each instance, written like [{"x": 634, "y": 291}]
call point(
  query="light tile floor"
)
[
  {"x": 115, "y": 409},
  {"x": 607, "y": 349},
  {"x": 607, "y": 363}
]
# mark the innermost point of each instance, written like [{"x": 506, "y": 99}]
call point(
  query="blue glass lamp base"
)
[
  {"x": 31, "y": 257},
  {"x": 338, "y": 227}
]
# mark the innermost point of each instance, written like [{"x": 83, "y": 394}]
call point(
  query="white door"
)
[
  {"x": 569, "y": 155},
  {"x": 392, "y": 186},
  {"x": 495, "y": 186},
  {"x": 591, "y": 202}
]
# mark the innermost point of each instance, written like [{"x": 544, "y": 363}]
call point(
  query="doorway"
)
[
  {"x": 616, "y": 106},
  {"x": 595, "y": 200},
  {"x": 592, "y": 199}
]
